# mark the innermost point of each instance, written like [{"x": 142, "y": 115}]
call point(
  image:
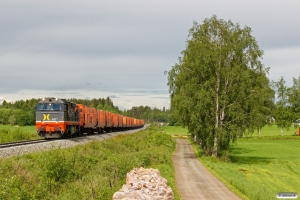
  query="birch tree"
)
[
  {"x": 294, "y": 98},
  {"x": 283, "y": 110},
  {"x": 219, "y": 86}
]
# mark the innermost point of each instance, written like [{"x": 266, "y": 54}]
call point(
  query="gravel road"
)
[{"x": 193, "y": 180}]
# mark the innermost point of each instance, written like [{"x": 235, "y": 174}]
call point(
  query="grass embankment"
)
[
  {"x": 14, "y": 133},
  {"x": 259, "y": 167},
  {"x": 92, "y": 171}
]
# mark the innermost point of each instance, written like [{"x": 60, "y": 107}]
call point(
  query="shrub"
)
[{"x": 95, "y": 170}]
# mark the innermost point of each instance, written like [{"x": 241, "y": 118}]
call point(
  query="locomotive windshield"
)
[{"x": 49, "y": 106}]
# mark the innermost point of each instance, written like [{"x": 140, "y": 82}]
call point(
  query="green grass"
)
[
  {"x": 30, "y": 129},
  {"x": 97, "y": 168},
  {"x": 273, "y": 130},
  {"x": 14, "y": 133},
  {"x": 175, "y": 130},
  {"x": 257, "y": 167},
  {"x": 260, "y": 168},
  {"x": 268, "y": 130}
]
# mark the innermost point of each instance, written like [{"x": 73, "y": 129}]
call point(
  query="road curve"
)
[{"x": 193, "y": 180}]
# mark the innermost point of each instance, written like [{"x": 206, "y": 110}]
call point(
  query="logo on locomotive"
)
[{"x": 46, "y": 117}]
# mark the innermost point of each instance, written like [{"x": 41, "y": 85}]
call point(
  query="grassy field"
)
[
  {"x": 258, "y": 167},
  {"x": 273, "y": 130},
  {"x": 92, "y": 171},
  {"x": 175, "y": 130},
  {"x": 30, "y": 129},
  {"x": 270, "y": 130},
  {"x": 14, "y": 133}
]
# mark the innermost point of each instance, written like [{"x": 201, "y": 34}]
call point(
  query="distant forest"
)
[{"x": 22, "y": 112}]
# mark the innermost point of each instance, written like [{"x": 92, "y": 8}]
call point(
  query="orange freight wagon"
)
[
  {"x": 101, "y": 121},
  {"x": 57, "y": 118},
  {"x": 120, "y": 121},
  {"x": 90, "y": 119},
  {"x": 124, "y": 121},
  {"x": 115, "y": 120},
  {"x": 109, "y": 121}
]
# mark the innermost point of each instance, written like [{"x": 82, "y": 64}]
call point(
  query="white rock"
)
[{"x": 144, "y": 184}]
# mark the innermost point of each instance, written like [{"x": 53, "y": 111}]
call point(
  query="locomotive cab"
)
[{"x": 56, "y": 118}]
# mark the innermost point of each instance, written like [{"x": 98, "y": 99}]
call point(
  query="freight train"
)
[{"x": 60, "y": 118}]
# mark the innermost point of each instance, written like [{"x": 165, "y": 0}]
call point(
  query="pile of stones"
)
[{"x": 144, "y": 184}]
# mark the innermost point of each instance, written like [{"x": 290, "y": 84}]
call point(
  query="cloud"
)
[
  {"x": 122, "y": 100},
  {"x": 117, "y": 74},
  {"x": 103, "y": 48},
  {"x": 283, "y": 62}
]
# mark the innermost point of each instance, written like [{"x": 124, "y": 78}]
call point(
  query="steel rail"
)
[{"x": 21, "y": 143}]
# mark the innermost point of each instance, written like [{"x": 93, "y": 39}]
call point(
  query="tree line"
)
[
  {"x": 147, "y": 113},
  {"x": 287, "y": 103},
  {"x": 22, "y": 112},
  {"x": 150, "y": 115},
  {"x": 100, "y": 103}
]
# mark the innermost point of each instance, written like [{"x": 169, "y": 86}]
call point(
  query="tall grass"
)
[
  {"x": 30, "y": 129},
  {"x": 92, "y": 171},
  {"x": 16, "y": 134}
]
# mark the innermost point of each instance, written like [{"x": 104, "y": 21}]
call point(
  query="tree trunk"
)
[
  {"x": 217, "y": 123},
  {"x": 281, "y": 131},
  {"x": 215, "y": 148},
  {"x": 258, "y": 132}
]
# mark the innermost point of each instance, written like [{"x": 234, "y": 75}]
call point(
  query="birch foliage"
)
[
  {"x": 219, "y": 87},
  {"x": 294, "y": 98},
  {"x": 283, "y": 109}
]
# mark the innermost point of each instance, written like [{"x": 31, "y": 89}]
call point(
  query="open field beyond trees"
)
[
  {"x": 92, "y": 171},
  {"x": 268, "y": 130},
  {"x": 175, "y": 130}
]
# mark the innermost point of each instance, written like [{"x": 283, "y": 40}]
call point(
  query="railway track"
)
[
  {"x": 22, "y": 143},
  {"x": 23, "y": 147}
]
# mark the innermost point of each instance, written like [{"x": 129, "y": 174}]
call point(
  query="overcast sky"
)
[{"x": 97, "y": 48}]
